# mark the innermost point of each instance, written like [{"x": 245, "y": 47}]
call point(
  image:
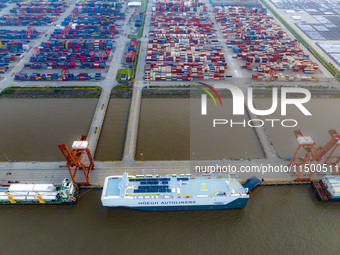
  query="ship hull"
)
[
  {"x": 37, "y": 204},
  {"x": 236, "y": 204}
]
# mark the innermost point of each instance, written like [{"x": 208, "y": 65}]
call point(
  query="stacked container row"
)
[
  {"x": 26, "y": 20},
  {"x": 262, "y": 44},
  {"x": 104, "y": 20},
  {"x": 16, "y": 46},
  {"x": 37, "y": 9},
  {"x": 17, "y": 34},
  {"x": 180, "y": 47},
  {"x": 85, "y": 32},
  {"x": 60, "y": 54},
  {"x": 75, "y": 45},
  {"x": 56, "y": 77}
]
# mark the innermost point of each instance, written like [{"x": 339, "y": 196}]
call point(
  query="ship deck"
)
[{"x": 171, "y": 186}]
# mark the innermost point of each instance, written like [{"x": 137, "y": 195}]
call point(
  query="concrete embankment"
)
[{"x": 53, "y": 92}]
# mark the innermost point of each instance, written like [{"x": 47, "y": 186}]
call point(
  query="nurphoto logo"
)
[{"x": 239, "y": 105}]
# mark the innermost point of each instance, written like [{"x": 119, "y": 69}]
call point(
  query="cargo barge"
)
[
  {"x": 173, "y": 193},
  {"x": 39, "y": 194},
  {"x": 327, "y": 189}
]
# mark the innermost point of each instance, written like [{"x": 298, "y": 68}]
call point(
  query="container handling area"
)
[
  {"x": 180, "y": 47},
  {"x": 82, "y": 41},
  {"x": 264, "y": 46}
]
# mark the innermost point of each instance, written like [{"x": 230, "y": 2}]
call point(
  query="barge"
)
[
  {"x": 327, "y": 189},
  {"x": 173, "y": 193},
  {"x": 39, "y": 194}
]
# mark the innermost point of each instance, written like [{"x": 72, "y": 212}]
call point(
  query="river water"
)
[
  {"x": 168, "y": 129},
  {"x": 325, "y": 116},
  {"x": 112, "y": 138},
  {"x": 31, "y": 129},
  {"x": 172, "y": 129},
  {"x": 276, "y": 220}
]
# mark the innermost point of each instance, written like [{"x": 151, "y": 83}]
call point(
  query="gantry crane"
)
[
  {"x": 313, "y": 154},
  {"x": 333, "y": 158},
  {"x": 305, "y": 148},
  {"x": 103, "y": 54},
  {"x": 64, "y": 73},
  {"x": 297, "y": 43},
  {"x": 35, "y": 51},
  {"x": 79, "y": 157},
  {"x": 30, "y": 30},
  {"x": 272, "y": 74},
  {"x": 73, "y": 14},
  {"x": 112, "y": 30},
  {"x": 66, "y": 31}
]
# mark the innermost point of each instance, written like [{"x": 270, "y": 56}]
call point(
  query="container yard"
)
[
  {"x": 34, "y": 13},
  {"x": 180, "y": 46},
  {"x": 10, "y": 52},
  {"x": 87, "y": 21},
  {"x": 69, "y": 56},
  {"x": 29, "y": 33},
  {"x": 90, "y": 20},
  {"x": 81, "y": 40},
  {"x": 265, "y": 48},
  {"x": 55, "y": 7},
  {"x": 26, "y": 20}
]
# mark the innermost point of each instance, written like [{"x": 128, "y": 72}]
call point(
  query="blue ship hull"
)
[{"x": 239, "y": 203}]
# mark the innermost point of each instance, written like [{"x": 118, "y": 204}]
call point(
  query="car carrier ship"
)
[
  {"x": 39, "y": 194},
  {"x": 171, "y": 193}
]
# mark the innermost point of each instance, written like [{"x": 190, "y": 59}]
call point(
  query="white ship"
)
[{"x": 170, "y": 193}]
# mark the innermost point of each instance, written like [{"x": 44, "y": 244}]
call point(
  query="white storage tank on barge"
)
[{"x": 39, "y": 194}]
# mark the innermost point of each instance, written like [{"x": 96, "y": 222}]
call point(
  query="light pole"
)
[{"x": 141, "y": 156}]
